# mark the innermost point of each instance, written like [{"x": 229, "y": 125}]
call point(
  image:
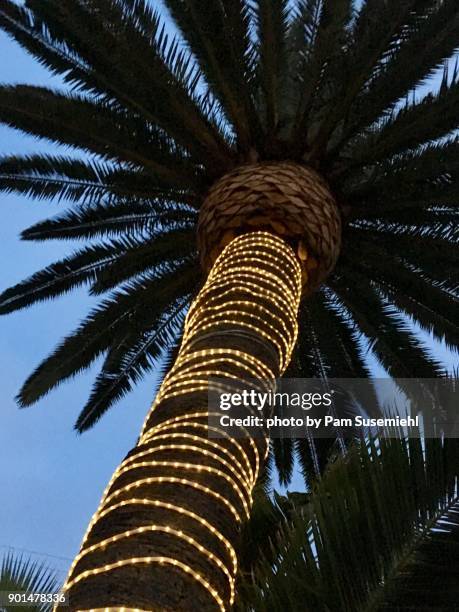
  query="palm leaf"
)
[
  {"x": 80, "y": 181},
  {"x": 321, "y": 67},
  {"x": 74, "y": 120},
  {"x": 272, "y": 24},
  {"x": 414, "y": 125},
  {"x": 408, "y": 61},
  {"x": 431, "y": 307},
  {"x": 391, "y": 340},
  {"x": 432, "y": 563},
  {"x": 129, "y": 359},
  {"x": 364, "y": 532},
  {"x": 32, "y": 33},
  {"x": 61, "y": 277},
  {"x": 134, "y": 55},
  {"x": 122, "y": 217},
  {"x": 328, "y": 347},
  {"x": 218, "y": 35},
  {"x": 19, "y": 575},
  {"x": 132, "y": 309}
]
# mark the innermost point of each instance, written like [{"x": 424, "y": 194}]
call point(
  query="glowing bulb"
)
[{"x": 254, "y": 287}]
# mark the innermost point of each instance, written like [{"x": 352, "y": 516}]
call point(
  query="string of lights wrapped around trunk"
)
[
  {"x": 173, "y": 509},
  {"x": 171, "y": 514}
]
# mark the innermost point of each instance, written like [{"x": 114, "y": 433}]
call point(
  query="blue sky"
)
[{"x": 51, "y": 479}]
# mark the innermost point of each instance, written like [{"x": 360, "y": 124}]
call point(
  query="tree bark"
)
[{"x": 165, "y": 535}]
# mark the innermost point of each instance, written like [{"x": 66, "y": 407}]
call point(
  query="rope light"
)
[
  {"x": 252, "y": 291},
  {"x": 149, "y": 561},
  {"x": 188, "y": 513},
  {"x": 222, "y": 433},
  {"x": 187, "y": 447},
  {"x": 160, "y": 528},
  {"x": 171, "y": 424},
  {"x": 197, "y": 468},
  {"x": 181, "y": 481}
]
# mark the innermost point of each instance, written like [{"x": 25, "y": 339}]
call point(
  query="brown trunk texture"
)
[
  {"x": 165, "y": 535},
  {"x": 285, "y": 198},
  {"x": 166, "y": 532}
]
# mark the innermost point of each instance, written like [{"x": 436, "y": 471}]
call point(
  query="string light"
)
[
  {"x": 188, "y": 447},
  {"x": 253, "y": 290},
  {"x": 188, "y": 513},
  {"x": 148, "y": 561},
  {"x": 164, "y": 529},
  {"x": 192, "y": 467},
  {"x": 181, "y": 481},
  {"x": 173, "y": 424},
  {"x": 183, "y": 422}
]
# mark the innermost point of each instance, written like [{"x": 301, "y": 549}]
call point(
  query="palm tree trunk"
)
[{"x": 165, "y": 535}]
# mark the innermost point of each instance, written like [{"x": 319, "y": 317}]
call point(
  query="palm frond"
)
[
  {"x": 84, "y": 181},
  {"x": 20, "y": 575},
  {"x": 282, "y": 450},
  {"x": 139, "y": 66},
  {"x": 347, "y": 544},
  {"x": 103, "y": 265},
  {"x": 218, "y": 35},
  {"x": 429, "y": 253},
  {"x": 428, "y": 305},
  {"x": 272, "y": 28},
  {"x": 129, "y": 359},
  {"x": 414, "y": 125},
  {"x": 57, "y": 279},
  {"x": 439, "y": 221},
  {"x": 122, "y": 217},
  {"x": 322, "y": 65},
  {"x": 431, "y": 563},
  {"x": 23, "y": 25},
  {"x": 425, "y": 177},
  {"x": 156, "y": 253},
  {"x": 314, "y": 454},
  {"x": 397, "y": 348},
  {"x": 306, "y": 19},
  {"x": 132, "y": 309},
  {"x": 424, "y": 40},
  {"x": 328, "y": 347},
  {"x": 302, "y": 24},
  {"x": 339, "y": 349},
  {"x": 94, "y": 127},
  {"x": 269, "y": 513}
]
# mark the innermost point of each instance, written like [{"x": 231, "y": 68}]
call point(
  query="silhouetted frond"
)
[
  {"x": 162, "y": 110},
  {"x": 21, "y": 575},
  {"x": 112, "y": 220},
  {"x": 133, "y": 309},
  {"x": 129, "y": 359},
  {"x": 378, "y": 532}
]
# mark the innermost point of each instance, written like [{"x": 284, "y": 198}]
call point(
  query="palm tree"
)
[
  {"x": 379, "y": 532},
  {"x": 272, "y": 145},
  {"x": 19, "y": 575}
]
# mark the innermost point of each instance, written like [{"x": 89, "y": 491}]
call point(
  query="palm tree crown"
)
[{"x": 317, "y": 82}]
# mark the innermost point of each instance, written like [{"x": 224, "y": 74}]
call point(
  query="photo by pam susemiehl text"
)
[{"x": 295, "y": 407}]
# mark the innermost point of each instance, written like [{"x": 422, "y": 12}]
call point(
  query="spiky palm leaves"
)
[
  {"x": 380, "y": 532},
  {"x": 161, "y": 118},
  {"x": 19, "y": 575}
]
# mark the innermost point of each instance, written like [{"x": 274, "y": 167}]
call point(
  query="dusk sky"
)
[{"x": 51, "y": 478}]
